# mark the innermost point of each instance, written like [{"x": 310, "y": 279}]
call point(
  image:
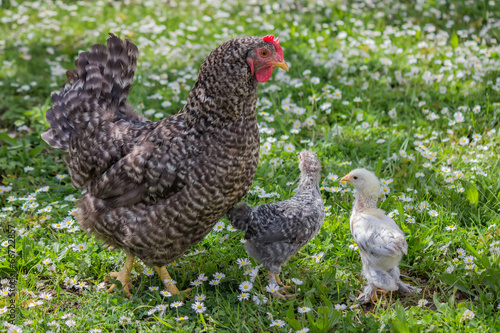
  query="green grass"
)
[{"x": 364, "y": 60}]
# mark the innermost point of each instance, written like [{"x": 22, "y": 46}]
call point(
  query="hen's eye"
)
[
  {"x": 355, "y": 177},
  {"x": 264, "y": 53}
]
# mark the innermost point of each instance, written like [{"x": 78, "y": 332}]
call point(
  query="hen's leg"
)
[
  {"x": 166, "y": 279},
  {"x": 124, "y": 276}
]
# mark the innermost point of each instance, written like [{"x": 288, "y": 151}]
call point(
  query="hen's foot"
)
[
  {"x": 123, "y": 276},
  {"x": 168, "y": 282}
]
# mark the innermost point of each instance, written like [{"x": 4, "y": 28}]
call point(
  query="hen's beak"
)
[
  {"x": 346, "y": 178},
  {"x": 282, "y": 65}
]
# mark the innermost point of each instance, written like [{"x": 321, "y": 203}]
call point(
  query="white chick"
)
[{"x": 380, "y": 241}]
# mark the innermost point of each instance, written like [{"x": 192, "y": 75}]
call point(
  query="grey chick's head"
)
[
  {"x": 309, "y": 162},
  {"x": 364, "y": 181}
]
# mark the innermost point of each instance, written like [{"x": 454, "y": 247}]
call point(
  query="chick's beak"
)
[
  {"x": 283, "y": 65},
  {"x": 346, "y": 178}
]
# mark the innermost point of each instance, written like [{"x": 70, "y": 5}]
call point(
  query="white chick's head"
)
[
  {"x": 309, "y": 162},
  {"x": 364, "y": 181}
]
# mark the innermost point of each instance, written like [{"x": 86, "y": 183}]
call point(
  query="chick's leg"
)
[
  {"x": 405, "y": 289},
  {"x": 124, "y": 276},
  {"x": 369, "y": 294},
  {"x": 272, "y": 278},
  {"x": 275, "y": 279},
  {"x": 278, "y": 281},
  {"x": 167, "y": 280}
]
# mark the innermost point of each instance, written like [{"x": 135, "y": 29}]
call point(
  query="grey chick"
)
[
  {"x": 381, "y": 242},
  {"x": 274, "y": 232}
]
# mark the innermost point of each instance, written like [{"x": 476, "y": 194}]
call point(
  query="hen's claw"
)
[
  {"x": 127, "y": 285},
  {"x": 165, "y": 278}
]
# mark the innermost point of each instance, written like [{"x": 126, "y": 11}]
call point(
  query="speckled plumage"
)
[
  {"x": 275, "y": 232},
  {"x": 156, "y": 188},
  {"x": 381, "y": 242}
]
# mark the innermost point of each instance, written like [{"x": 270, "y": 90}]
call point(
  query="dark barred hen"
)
[
  {"x": 156, "y": 188},
  {"x": 275, "y": 232}
]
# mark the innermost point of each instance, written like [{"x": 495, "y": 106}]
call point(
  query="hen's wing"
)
[
  {"x": 284, "y": 222},
  {"x": 158, "y": 166},
  {"x": 381, "y": 237}
]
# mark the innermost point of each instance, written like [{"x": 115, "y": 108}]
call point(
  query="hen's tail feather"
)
[
  {"x": 95, "y": 91},
  {"x": 240, "y": 216}
]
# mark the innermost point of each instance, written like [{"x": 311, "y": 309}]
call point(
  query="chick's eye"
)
[
  {"x": 264, "y": 53},
  {"x": 355, "y": 177}
]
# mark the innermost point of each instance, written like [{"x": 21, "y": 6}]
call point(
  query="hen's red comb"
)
[
  {"x": 275, "y": 42},
  {"x": 270, "y": 38}
]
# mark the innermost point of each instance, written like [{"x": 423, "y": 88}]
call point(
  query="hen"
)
[
  {"x": 275, "y": 232},
  {"x": 380, "y": 241},
  {"x": 156, "y": 188}
]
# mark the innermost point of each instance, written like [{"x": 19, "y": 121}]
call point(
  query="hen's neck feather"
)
[{"x": 225, "y": 89}]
